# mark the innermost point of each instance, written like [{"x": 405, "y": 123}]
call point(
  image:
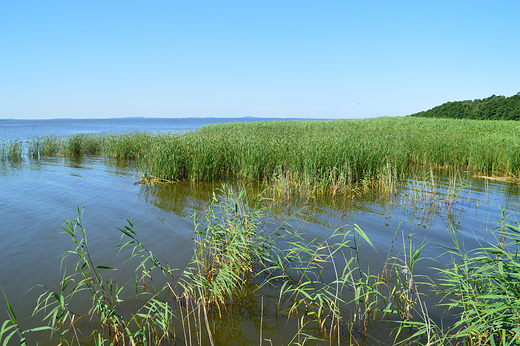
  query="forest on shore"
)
[{"x": 490, "y": 108}]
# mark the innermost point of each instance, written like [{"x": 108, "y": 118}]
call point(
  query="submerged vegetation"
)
[
  {"x": 339, "y": 157},
  {"x": 278, "y": 274}
]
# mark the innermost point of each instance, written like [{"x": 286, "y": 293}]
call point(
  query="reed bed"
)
[{"x": 337, "y": 156}]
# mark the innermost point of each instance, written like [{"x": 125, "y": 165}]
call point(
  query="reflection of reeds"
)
[{"x": 424, "y": 195}]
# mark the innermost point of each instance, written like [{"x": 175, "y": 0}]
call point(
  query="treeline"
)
[{"x": 490, "y": 108}]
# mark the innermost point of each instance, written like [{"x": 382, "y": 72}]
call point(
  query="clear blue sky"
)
[{"x": 311, "y": 59}]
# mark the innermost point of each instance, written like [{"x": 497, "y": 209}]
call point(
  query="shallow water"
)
[{"x": 37, "y": 196}]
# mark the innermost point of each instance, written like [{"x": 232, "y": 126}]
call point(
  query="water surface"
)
[{"x": 38, "y": 195}]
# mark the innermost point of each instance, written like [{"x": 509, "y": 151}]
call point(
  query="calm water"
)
[
  {"x": 26, "y": 129},
  {"x": 37, "y": 196}
]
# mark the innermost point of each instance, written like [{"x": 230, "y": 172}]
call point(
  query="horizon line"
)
[{"x": 194, "y": 117}]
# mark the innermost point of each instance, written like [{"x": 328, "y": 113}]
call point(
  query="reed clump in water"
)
[
  {"x": 339, "y": 156},
  {"x": 11, "y": 150},
  {"x": 127, "y": 145},
  {"x": 482, "y": 287}
]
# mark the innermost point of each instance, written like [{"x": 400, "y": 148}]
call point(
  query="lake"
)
[{"x": 39, "y": 195}]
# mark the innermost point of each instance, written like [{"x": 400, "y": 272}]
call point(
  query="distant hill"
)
[{"x": 491, "y": 108}]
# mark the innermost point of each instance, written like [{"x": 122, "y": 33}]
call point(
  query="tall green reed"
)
[
  {"x": 339, "y": 157},
  {"x": 481, "y": 287},
  {"x": 149, "y": 323},
  {"x": 229, "y": 247},
  {"x": 11, "y": 150}
]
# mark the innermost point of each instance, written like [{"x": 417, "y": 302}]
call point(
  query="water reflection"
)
[
  {"x": 178, "y": 198},
  {"x": 443, "y": 203},
  {"x": 432, "y": 200},
  {"x": 10, "y": 167}
]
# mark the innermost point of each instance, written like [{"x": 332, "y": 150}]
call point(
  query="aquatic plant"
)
[
  {"x": 229, "y": 247},
  {"x": 333, "y": 156},
  {"x": 45, "y": 145},
  {"x": 340, "y": 157},
  {"x": 481, "y": 287},
  {"x": 11, "y": 150}
]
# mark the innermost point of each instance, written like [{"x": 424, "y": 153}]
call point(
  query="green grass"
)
[{"x": 337, "y": 156}]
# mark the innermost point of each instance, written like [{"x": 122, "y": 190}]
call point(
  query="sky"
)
[{"x": 287, "y": 59}]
